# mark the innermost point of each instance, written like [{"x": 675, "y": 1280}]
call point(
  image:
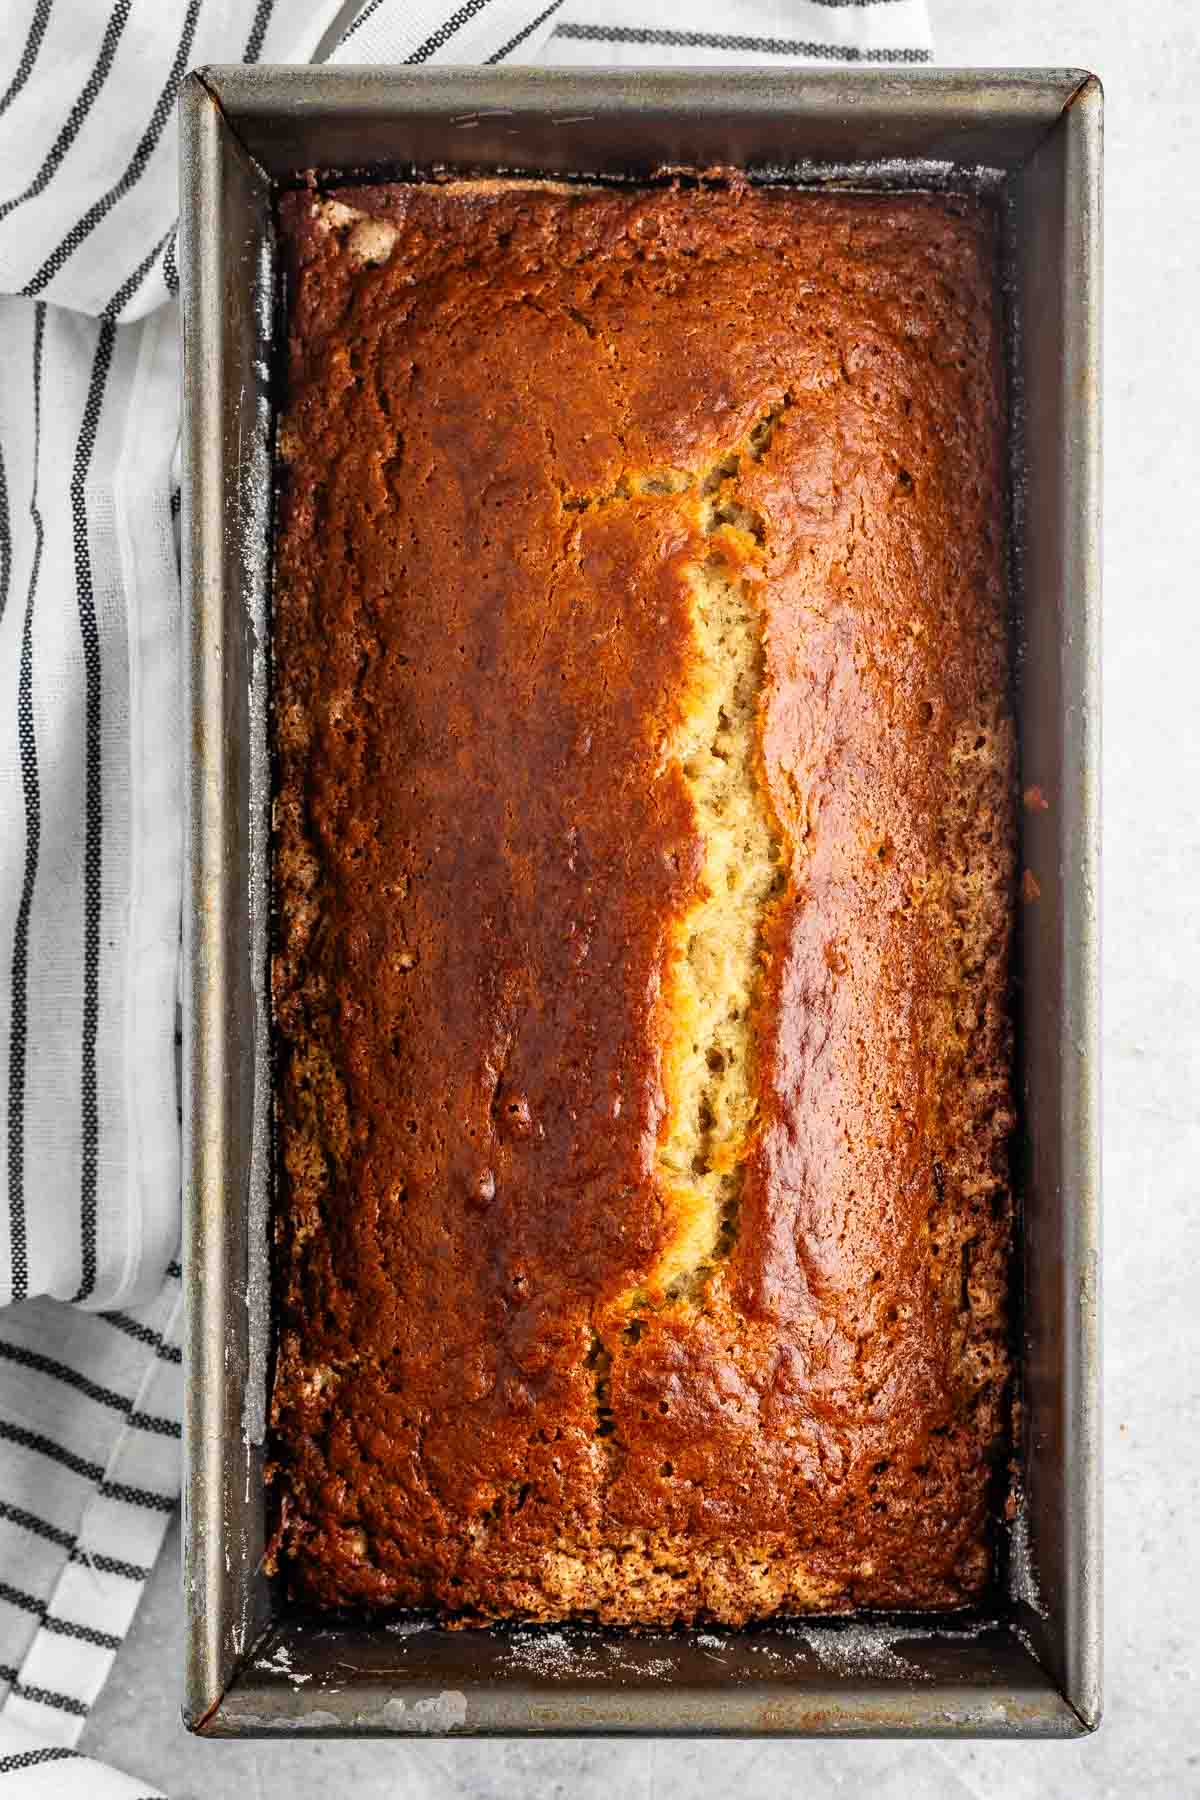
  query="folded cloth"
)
[{"x": 90, "y": 748}]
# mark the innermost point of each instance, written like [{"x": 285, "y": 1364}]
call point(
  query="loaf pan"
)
[{"x": 1030, "y": 1667}]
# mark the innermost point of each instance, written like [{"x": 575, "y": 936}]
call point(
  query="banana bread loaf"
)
[{"x": 644, "y": 870}]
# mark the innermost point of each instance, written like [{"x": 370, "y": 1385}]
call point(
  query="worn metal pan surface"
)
[{"x": 1032, "y": 1668}]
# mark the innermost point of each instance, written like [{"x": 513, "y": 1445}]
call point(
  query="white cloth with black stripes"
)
[{"x": 90, "y": 749}]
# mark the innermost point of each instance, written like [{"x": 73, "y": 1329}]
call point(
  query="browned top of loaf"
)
[{"x": 498, "y": 440}]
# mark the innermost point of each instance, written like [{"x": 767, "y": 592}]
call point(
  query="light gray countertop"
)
[{"x": 1149, "y": 59}]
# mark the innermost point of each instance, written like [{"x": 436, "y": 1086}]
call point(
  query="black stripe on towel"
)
[
  {"x": 258, "y": 31},
  {"x": 69, "y": 1628},
  {"x": 135, "y": 168},
  {"x": 41, "y": 1697},
  {"x": 362, "y": 18},
  {"x": 19, "y": 1598},
  {"x": 81, "y": 1634},
  {"x": 133, "y": 281},
  {"x": 17, "y": 1515},
  {"x": 143, "y": 1335},
  {"x": 79, "y": 1465},
  {"x": 714, "y": 40},
  {"x": 5, "y": 538},
  {"x": 170, "y": 266},
  {"x": 57, "y": 1371},
  {"x": 118, "y": 18},
  {"x": 136, "y": 1496},
  {"x": 44, "y": 1446},
  {"x": 27, "y": 745},
  {"x": 156, "y": 1424},
  {"x": 513, "y": 42},
  {"x": 32, "y": 1759},
  {"x": 109, "y": 1565},
  {"x": 93, "y": 807},
  {"x": 437, "y": 40},
  {"x": 33, "y": 43}
]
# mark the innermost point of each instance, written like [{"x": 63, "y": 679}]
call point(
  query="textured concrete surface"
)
[{"x": 1149, "y": 58}]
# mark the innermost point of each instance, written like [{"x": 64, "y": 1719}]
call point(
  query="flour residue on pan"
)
[
  {"x": 906, "y": 174},
  {"x": 550, "y": 1653},
  {"x": 863, "y": 1650},
  {"x": 279, "y": 1662},
  {"x": 871, "y": 1649},
  {"x": 406, "y": 1628},
  {"x": 254, "y": 529},
  {"x": 1022, "y": 1569}
]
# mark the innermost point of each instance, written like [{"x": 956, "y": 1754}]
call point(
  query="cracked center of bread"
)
[{"x": 715, "y": 960}]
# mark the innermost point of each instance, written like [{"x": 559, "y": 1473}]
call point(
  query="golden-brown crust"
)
[{"x": 486, "y": 847}]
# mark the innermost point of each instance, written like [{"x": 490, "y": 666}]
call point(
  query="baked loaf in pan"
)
[{"x": 644, "y": 869}]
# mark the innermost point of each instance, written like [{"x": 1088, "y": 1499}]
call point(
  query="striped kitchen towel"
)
[{"x": 90, "y": 771}]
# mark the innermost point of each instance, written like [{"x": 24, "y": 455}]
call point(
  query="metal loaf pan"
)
[{"x": 1032, "y": 1667}]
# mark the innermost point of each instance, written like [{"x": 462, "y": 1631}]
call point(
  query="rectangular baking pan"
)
[{"x": 1031, "y": 1667}]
